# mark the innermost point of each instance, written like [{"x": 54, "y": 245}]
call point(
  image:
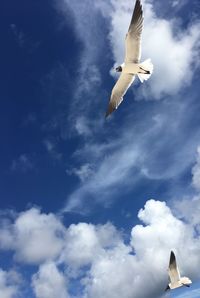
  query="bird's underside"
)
[
  {"x": 176, "y": 281},
  {"x": 132, "y": 56}
]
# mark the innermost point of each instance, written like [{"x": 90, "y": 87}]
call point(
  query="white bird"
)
[
  {"x": 131, "y": 66},
  {"x": 175, "y": 280}
]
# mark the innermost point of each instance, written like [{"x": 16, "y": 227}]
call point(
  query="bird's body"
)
[
  {"x": 176, "y": 281},
  {"x": 131, "y": 68},
  {"x": 131, "y": 65}
]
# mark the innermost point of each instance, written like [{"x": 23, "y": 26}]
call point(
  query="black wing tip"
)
[
  {"x": 111, "y": 108},
  {"x": 138, "y": 5},
  {"x": 167, "y": 288},
  {"x": 109, "y": 112},
  {"x": 172, "y": 257},
  {"x": 172, "y": 253},
  {"x": 137, "y": 13}
]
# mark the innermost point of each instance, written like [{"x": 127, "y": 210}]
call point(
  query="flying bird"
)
[
  {"x": 131, "y": 65},
  {"x": 175, "y": 280}
]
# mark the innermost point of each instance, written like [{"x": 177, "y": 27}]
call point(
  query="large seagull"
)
[
  {"x": 131, "y": 65},
  {"x": 175, "y": 280}
]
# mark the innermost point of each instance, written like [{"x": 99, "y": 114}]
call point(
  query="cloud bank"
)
[
  {"x": 86, "y": 260},
  {"x": 97, "y": 258}
]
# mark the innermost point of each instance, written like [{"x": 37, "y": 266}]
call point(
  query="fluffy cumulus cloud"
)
[
  {"x": 35, "y": 237},
  {"x": 9, "y": 284},
  {"x": 119, "y": 272},
  {"x": 100, "y": 263},
  {"x": 84, "y": 242},
  {"x": 49, "y": 282}
]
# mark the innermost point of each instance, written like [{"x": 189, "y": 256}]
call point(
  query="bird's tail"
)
[{"x": 146, "y": 70}]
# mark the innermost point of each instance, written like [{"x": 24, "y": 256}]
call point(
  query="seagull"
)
[
  {"x": 131, "y": 65},
  {"x": 175, "y": 280}
]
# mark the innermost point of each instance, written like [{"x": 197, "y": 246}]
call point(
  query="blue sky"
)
[{"x": 88, "y": 203}]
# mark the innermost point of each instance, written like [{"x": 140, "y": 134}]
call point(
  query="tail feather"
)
[{"x": 147, "y": 66}]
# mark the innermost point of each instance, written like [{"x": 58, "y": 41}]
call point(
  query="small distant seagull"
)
[
  {"x": 131, "y": 66},
  {"x": 175, "y": 280}
]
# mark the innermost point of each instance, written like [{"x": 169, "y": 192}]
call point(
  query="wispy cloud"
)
[
  {"x": 156, "y": 148},
  {"x": 22, "y": 164},
  {"x": 51, "y": 148},
  {"x": 18, "y": 34}
]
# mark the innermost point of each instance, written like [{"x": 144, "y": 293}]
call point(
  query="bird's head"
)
[{"x": 118, "y": 69}]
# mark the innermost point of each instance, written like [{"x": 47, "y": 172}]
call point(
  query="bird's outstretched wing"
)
[
  {"x": 119, "y": 90},
  {"x": 133, "y": 37},
  {"x": 173, "y": 271}
]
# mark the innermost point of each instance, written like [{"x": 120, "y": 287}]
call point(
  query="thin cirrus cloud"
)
[{"x": 158, "y": 149}]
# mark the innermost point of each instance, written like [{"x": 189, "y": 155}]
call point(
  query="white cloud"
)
[
  {"x": 174, "y": 51},
  {"x": 189, "y": 206},
  {"x": 156, "y": 148},
  {"x": 175, "y": 57},
  {"x": 120, "y": 273},
  {"x": 196, "y": 171},
  {"x": 49, "y": 282},
  {"x": 99, "y": 262},
  {"x": 83, "y": 173},
  {"x": 153, "y": 146},
  {"x": 84, "y": 242},
  {"x": 9, "y": 284},
  {"x": 88, "y": 79},
  {"x": 97, "y": 259},
  {"x": 35, "y": 237}
]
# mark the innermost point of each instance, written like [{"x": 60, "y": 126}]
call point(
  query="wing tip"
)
[
  {"x": 109, "y": 112},
  {"x": 172, "y": 257},
  {"x": 167, "y": 288}
]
